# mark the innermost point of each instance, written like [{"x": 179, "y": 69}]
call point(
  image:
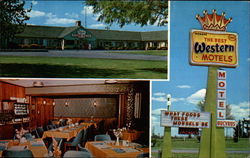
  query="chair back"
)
[
  {"x": 101, "y": 127},
  {"x": 40, "y": 131},
  {"x": 28, "y": 136},
  {"x": 17, "y": 153},
  {"x": 49, "y": 127},
  {"x": 34, "y": 133},
  {"x": 84, "y": 136},
  {"x": 78, "y": 138},
  {"x": 143, "y": 155},
  {"x": 72, "y": 153},
  {"x": 90, "y": 133},
  {"x": 102, "y": 137},
  {"x": 64, "y": 122}
]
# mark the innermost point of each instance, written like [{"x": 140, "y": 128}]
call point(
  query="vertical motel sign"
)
[
  {"x": 221, "y": 95},
  {"x": 213, "y": 46}
]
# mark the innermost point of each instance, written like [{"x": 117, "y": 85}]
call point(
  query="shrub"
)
[
  {"x": 35, "y": 46},
  {"x": 164, "y": 48}
]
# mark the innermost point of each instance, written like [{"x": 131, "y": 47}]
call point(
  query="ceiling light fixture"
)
[
  {"x": 38, "y": 84},
  {"x": 110, "y": 81}
]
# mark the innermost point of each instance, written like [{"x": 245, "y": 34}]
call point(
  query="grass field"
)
[
  {"x": 63, "y": 67},
  {"x": 148, "y": 52},
  {"x": 242, "y": 145}
]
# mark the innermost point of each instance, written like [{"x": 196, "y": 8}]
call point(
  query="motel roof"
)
[{"x": 36, "y": 31}]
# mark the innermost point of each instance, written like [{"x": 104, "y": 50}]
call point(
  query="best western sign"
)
[
  {"x": 214, "y": 48},
  {"x": 185, "y": 119}
]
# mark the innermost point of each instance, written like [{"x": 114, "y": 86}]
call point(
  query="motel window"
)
[
  {"x": 154, "y": 44},
  {"x": 113, "y": 43},
  {"x": 100, "y": 43},
  {"x": 69, "y": 42},
  {"x": 118, "y": 44},
  {"x": 136, "y": 44},
  {"x": 107, "y": 43}
]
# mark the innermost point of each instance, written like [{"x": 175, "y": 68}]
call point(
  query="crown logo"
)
[{"x": 213, "y": 21}]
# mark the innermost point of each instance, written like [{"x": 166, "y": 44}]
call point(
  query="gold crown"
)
[{"x": 213, "y": 21}]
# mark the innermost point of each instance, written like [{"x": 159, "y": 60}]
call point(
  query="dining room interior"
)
[{"x": 74, "y": 118}]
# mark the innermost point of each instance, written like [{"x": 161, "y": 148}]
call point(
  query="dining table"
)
[
  {"x": 36, "y": 146},
  {"x": 66, "y": 132},
  {"x": 109, "y": 149}
]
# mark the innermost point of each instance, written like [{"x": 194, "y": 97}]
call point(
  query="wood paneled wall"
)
[
  {"x": 43, "y": 110},
  {"x": 8, "y": 90}
]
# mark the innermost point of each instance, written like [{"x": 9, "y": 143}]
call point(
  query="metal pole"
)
[{"x": 166, "y": 147}]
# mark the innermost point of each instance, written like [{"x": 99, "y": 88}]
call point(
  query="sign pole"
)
[
  {"x": 212, "y": 139},
  {"x": 167, "y": 144}
]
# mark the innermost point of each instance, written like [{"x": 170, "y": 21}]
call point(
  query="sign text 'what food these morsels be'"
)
[
  {"x": 214, "y": 48},
  {"x": 185, "y": 119}
]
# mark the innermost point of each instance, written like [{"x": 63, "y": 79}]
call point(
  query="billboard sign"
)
[
  {"x": 213, "y": 48},
  {"x": 185, "y": 119}
]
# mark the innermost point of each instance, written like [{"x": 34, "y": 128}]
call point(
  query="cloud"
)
[
  {"x": 36, "y": 13},
  {"x": 241, "y": 110},
  {"x": 50, "y": 15},
  {"x": 53, "y": 19},
  {"x": 88, "y": 10},
  {"x": 153, "y": 118},
  {"x": 158, "y": 111},
  {"x": 97, "y": 25},
  {"x": 183, "y": 86},
  {"x": 177, "y": 99},
  {"x": 160, "y": 99},
  {"x": 34, "y": 2},
  {"x": 160, "y": 94},
  {"x": 72, "y": 15},
  {"x": 56, "y": 20},
  {"x": 164, "y": 99},
  {"x": 197, "y": 96},
  {"x": 248, "y": 59}
]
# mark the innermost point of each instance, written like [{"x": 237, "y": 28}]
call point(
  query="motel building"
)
[{"x": 78, "y": 37}]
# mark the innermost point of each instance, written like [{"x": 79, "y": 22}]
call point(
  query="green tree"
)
[
  {"x": 229, "y": 115},
  {"x": 12, "y": 18},
  {"x": 146, "y": 12}
]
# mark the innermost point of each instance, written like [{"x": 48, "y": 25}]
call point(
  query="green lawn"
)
[
  {"x": 65, "y": 67},
  {"x": 191, "y": 155},
  {"x": 148, "y": 52},
  {"x": 242, "y": 145}
]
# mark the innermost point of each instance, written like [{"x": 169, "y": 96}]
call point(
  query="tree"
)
[
  {"x": 229, "y": 115},
  {"x": 146, "y": 12},
  {"x": 12, "y": 18}
]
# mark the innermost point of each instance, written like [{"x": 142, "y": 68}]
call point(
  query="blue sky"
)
[
  {"x": 65, "y": 13},
  {"x": 187, "y": 83}
]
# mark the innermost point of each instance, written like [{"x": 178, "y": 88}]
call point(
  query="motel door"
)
[{"x": 82, "y": 44}]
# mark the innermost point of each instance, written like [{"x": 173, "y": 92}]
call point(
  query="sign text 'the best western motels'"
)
[{"x": 214, "y": 48}]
